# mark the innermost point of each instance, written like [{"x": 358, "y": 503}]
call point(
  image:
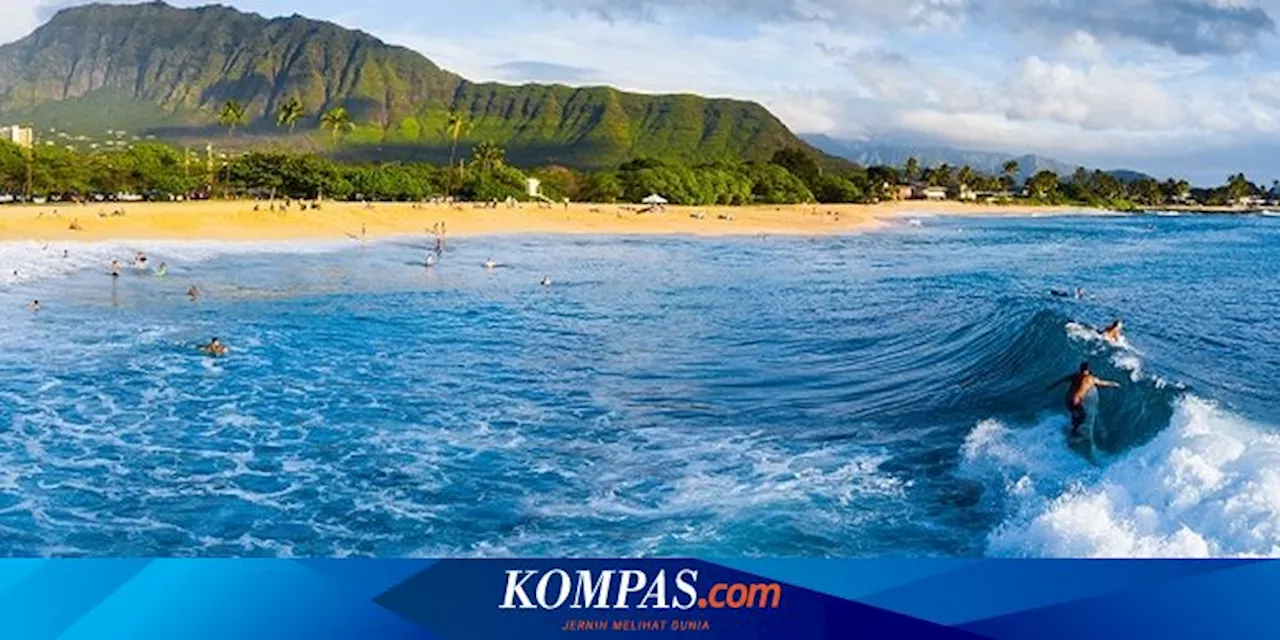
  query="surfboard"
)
[{"x": 1082, "y": 441}]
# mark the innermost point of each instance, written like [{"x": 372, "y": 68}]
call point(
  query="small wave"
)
[{"x": 28, "y": 261}]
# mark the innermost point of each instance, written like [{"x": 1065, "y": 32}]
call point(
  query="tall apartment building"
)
[{"x": 19, "y": 135}]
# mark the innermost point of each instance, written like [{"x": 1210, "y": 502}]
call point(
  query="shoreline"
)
[{"x": 237, "y": 220}]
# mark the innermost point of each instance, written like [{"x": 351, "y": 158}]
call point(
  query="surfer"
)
[
  {"x": 1082, "y": 384},
  {"x": 1059, "y": 293},
  {"x": 431, "y": 260},
  {"x": 1113, "y": 332},
  {"x": 214, "y": 348},
  {"x": 490, "y": 264}
]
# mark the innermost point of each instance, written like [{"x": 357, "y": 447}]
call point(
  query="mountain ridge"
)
[
  {"x": 870, "y": 152},
  {"x": 156, "y": 67}
]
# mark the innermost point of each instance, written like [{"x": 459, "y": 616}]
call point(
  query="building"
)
[
  {"x": 962, "y": 192},
  {"x": 930, "y": 193},
  {"x": 19, "y": 135}
]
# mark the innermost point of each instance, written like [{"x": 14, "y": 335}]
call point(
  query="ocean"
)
[{"x": 863, "y": 395}]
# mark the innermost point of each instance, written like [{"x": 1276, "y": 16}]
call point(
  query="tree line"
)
[{"x": 791, "y": 176}]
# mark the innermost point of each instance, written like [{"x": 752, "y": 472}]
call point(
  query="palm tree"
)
[
  {"x": 912, "y": 169},
  {"x": 231, "y": 115},
  {"x": 458, "y": 124},
  {"x": 942, "y": 175},
  {"x": 1009, "y": 172},
  {"x": 289, "y": 113},
  {"x": 337, "y": 121},
  {"x": 488, "y": 155}
]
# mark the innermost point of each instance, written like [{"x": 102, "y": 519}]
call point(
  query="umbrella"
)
[{"x": 654, "y": 198}]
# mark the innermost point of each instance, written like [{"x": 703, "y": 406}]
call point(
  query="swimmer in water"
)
[
  {"x": 546, "y": 281},
  {"x": 1114, "y": 332},
  {"x": 140, "y": 260},
  {"x": 490, "y": 264},
  {"x": 193, "y": 293},
  {"x": 162, "y": 270},
  {"x": 115, "y": 268},
  {"x": 214, "y": 348},
  {"x": 1082, "y": 383},
  {"x": 34, "y": 307},
  {"x": 431, "y": 260}
]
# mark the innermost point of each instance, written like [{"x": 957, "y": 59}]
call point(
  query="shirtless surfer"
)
[{"x": 1082, "y": 384}]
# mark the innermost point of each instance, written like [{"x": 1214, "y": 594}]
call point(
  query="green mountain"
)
[{"x": 158, "y": 69}]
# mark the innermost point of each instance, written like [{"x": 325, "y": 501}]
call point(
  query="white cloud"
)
[
  {"x": 20, "y": 19},
  {"x": 1098, "y": 96}
]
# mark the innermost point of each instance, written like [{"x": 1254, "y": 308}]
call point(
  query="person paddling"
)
[
  {"x": 1113, "y": 332},
  {"x": 214, "y": 347}
]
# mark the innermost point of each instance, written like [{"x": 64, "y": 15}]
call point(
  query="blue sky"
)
[{"x": 1169, "y": 86}]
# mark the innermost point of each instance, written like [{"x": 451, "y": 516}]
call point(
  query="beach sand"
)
[{"x": 237, "y": 220}]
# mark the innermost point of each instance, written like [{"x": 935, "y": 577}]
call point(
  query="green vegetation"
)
[
  {"x": 289, "y": 113},
  {"x": 338, "y": 122},
  {"x": 173, "y": 71},
  {"x": 790, "y": 176},
  {"x": 231, "y": 116}
]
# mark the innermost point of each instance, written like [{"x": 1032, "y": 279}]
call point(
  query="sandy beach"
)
[{"x": 237, "y": 220}]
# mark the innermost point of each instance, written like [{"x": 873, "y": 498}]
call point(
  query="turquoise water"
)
[{"x": 864, "y": 395}]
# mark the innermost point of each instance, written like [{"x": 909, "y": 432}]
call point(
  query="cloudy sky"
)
[{"x": 1168, "y": 86}]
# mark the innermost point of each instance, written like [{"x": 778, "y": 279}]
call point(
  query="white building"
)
[{"x": 19, "y": 135}]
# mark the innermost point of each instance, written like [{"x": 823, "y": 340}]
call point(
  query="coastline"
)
[{"x": 237, "y": 220}]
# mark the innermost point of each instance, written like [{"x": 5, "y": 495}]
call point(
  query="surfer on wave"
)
[{"x": 1082, "y": 384}]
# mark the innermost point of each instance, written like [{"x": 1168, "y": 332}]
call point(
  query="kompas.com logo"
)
[{"x": 630, "y": 588}]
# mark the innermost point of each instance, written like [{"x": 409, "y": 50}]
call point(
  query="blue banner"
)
[{"x": 548, "y": 598}]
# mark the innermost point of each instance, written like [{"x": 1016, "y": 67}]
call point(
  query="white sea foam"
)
[
  {"x": 33, "y": 261},
  {"x": 1121, "y": 352},
  {"x": 1208, "y": 485}
]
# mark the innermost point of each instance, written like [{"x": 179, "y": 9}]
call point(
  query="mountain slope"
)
[{"x": 155, "y": 67}]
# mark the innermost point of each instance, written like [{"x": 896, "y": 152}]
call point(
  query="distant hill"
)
[
  {"x": 159, "y": 69},
  {"x": 879, "y": 153}
]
